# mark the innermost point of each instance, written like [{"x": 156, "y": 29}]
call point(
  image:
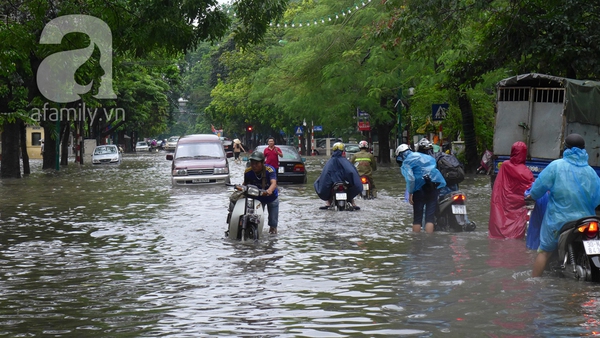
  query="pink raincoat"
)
[{"x": 507, "y": 210}]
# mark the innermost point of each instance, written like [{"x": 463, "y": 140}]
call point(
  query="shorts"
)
[
  {"x": 429, "y": 200},
  {"x": 236, "y": 155}
]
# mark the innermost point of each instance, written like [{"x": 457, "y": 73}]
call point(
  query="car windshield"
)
[
  {"x": 200, "y": 150},
  {"x": 105, "y": 150},
  {"x": 289, "y": 153},
  {"x": 173, "y": 139},
  {"x": 352, "y": 148},
  {"x": 142, "y": 144}
]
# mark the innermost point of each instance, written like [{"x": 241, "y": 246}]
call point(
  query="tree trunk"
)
[
  {"x": 10, "y": 168},
  {"x": 50, "y": 139},
  {"x": 468, "y": 123},
  {"x": 24, "y": 155},
  {"x": 383, "y": 136},
  {"x": 64, "y": 156}
]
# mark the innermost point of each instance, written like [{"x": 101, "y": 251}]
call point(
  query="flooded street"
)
[{"x": 119, "y": 252}]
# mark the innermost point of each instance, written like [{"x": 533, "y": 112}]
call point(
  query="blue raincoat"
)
[
  {"x": 574, "y": 193},
  {"x": 338, "y": 169},
  {"x": 415, "y": 166}
]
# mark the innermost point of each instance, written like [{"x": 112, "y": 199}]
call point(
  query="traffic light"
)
[{"x": 249, "y": 128}]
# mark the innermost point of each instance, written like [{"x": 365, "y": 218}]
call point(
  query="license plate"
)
[
  {"x": 459, "y": 209},
  {"x": 200, "y": 180},
  {"x": 340, "y": 196},
  {"x": 592, "y": 247},
  {"x": 365, "y": 187},
  {"x": 281, "y": 170}
]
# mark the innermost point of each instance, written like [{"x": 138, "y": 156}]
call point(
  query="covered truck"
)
[{"x": 541, "y": 110}]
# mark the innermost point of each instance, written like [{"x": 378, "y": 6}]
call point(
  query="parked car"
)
[
  {"x": 199, "y": 160},
  {"x": 106, "y": 154},
  {"x": 321, "y": 144},
  {"x": 142, "y": 146},
  {"x": 291, "y": 165},
  {"x": 351, "y": 149},
  {"x": 171, "y": 143}
]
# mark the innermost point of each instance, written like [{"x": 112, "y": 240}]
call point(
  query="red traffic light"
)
[{"x": 249, "y": 128}]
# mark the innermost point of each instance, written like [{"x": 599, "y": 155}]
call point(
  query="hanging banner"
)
[{"x": 363, "y": 120}]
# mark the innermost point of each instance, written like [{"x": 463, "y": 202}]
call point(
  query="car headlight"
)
[
  {"x": 180, "y": 172},
  {"x": 96, "y": 161},
  {"x": 115, "y": 159},
  {"x": 224, "y": 170}
]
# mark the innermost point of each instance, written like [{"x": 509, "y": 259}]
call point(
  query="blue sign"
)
[
  {"x": 317, "y": 128},
  {"x": 299, "y": 130},
  {"x": 439, "y": 111}
]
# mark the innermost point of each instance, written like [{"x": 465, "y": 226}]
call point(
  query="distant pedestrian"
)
[
  {"x": 272, "y": 154},
  {"x": 237, "y": 149}
]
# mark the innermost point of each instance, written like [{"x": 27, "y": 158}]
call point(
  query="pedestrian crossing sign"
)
[
  {"x": 439, "y": 111},
  {"x": 299, "y": 130}
]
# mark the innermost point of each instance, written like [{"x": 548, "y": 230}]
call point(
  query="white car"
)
[
  {"x": 171, "y": 143},
  {"x": 106, "y": 154},
  {"x": 142, "y": 146}
]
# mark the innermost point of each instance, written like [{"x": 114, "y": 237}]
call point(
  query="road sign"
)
[
  {"x": 318, "y": 128},
  {"x": 299, "y": 130},
  {"x": 439, "y": 111}
]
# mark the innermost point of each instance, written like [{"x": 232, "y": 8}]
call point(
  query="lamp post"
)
[{"x": 399, "y": 105}]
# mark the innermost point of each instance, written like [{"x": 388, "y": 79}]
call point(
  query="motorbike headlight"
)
[
  {"x": 180, "y": 172},
  {"x": 223, "y": 170},
  {"x": 250, "y": 204},
  {"x": 253, "y": 191}
]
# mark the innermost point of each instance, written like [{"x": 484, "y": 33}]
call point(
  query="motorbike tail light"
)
[
  {"x": 340, "y": 188},
  {"x": 458, "y": 197},
  {"x": 364, "y": 180},
  {"x": 299, "y": 168},
  {"x": 590, "y": 229}
]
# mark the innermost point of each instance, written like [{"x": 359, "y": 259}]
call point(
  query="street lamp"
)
[{"x": 399, "y": 104}]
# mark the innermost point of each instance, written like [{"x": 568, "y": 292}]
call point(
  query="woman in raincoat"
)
[
  {"x": 423, "y": 180},
  {"x": 574, "y": 190},
  {"x": 508, "y": 214}
]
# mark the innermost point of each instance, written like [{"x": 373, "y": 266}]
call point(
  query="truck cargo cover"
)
[{"x": 582, "y": 96}]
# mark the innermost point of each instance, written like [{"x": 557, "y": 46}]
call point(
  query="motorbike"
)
[
  {"x": 451, "y": 214},
  {"x": 578, "y": 254},
  {"x": 340, "y": 197},
  {"x": 246, "y": 216},
  {"x": 486, "y": 163},
  {"x": 367, "y": 193}
]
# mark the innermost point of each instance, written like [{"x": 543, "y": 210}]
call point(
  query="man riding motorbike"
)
[
  {"x": 365, "y": 163},
  {"x": 338, "y": 169}
]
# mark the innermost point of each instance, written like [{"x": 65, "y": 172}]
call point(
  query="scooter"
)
[
  {"x": 579, "y": 250},
  {"x": 245, "y": 219},
  {"x": 367, "y": 193},
  {"x": 451, "y": 214},
  {"x": 486, "y": 163},
  {"x": 340, "y": 197}
]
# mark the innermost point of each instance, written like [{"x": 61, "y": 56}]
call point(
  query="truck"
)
[{"x": 541, "y": 110}]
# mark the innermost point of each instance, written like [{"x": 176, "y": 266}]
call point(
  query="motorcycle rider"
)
[
  {"x": 365, "y": 163},
  {"x": 422, "y": 183},
  {"x": 338, "y": 169},
  {"x": 264, "y": 177},
  {"x": 574, "y": 189}
]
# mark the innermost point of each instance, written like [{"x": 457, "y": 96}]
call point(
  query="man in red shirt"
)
[{"x": 272, "y": 154}]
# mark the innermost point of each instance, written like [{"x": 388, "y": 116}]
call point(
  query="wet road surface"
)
[{"x": 118, "y": 252}]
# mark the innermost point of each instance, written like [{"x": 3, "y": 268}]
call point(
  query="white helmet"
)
[
  {"x": 363, "y": 145},
  {"x": 402, "y": 148},
  {"x": 425, "y": 144}
]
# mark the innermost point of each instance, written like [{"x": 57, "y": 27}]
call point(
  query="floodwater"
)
[{"x": 118, "y": 252}]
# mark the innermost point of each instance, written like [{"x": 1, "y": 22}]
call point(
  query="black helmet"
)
[
  {"x": 257, "y": 156},
  {"x": 574, "y": 140}
]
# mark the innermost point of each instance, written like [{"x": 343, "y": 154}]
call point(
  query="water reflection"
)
[{"x": 117, "y": 251}]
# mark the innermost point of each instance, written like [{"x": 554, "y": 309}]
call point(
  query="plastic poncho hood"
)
[
  {"x": 417, "y": 165},
  {"x": 508, "y": 214},
  {"x": 338, "y": 169},
  {"x": 574, "y": 193}
]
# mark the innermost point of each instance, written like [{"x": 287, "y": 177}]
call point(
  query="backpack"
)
[{"x": 450, "y": 168}]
